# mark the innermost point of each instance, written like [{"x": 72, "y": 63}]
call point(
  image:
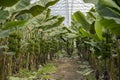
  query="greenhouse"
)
[{"x": 59, "y": 39}]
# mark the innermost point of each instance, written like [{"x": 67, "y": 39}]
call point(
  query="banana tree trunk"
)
[
  {"x": 27, "y": 62},
  {"x": 119, "y": 57},
  {"x": 119, "y": 64},
  {"x": 9, "y": 65},
  {"x": 2, "y": 68},
  {"x": 111, "y": 68}
]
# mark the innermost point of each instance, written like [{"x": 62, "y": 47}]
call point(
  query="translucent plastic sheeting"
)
[{"x": 67, "y": 7}]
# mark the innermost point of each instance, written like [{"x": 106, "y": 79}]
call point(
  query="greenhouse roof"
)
[{"x": 67, "y": 7}]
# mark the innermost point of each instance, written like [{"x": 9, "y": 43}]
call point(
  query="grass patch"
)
[
  {"x": 45, "y": 71},
  {"x": 42, "y": 74}
]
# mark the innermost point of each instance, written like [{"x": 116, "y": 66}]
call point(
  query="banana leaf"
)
[
  {"x": 5, "y": 33},
  {"x": 91, "y": 1},
  {"x": 24, "y": 6},
  {"x": 81, "y": 19},
  {"x": 3, "y": 15},
  {"x": 7, "y": 3}
]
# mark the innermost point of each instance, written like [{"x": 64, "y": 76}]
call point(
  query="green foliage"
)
[
  {"x": 23, "y": 29},
  {"x": 43, "y": 73},
  {"x": 80, "y": 17},
  {"x": 105, "y": 24},
  {"x": 99, "y": 29},
  {"x": 24, "y": 73},
  {"x": 109, "y": 12},
  {"x": 3, "y": 15},
  {"x": 91, "y": 1},
  {"x": 60, "y": 54},
  {"x": 40, "y": 18},
  {"x": 14, "y": 41},
  {"x": 86, "y": 71},
  {"x": 14, "y": 24},
  {"x": 47, "y": 69},
  {"x": 5, "y": 33},
  {"x": 47, "y": 3},
  {"x": 40, "y": 32},
  {"x": 7, "y": 3}
]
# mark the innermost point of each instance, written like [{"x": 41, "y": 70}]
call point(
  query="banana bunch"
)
[
  {"x": 31, "y": 45},
  {"x": 14, "y": 41}
]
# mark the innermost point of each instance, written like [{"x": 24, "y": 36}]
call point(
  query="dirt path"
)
[{"x": 67, "y": 70}]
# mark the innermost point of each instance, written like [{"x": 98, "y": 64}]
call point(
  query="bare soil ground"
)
[{"x": 67, "y": 70}]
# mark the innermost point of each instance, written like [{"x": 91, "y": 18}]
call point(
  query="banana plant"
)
[
  {"x": 19, "y": 7},
  {"x": 107, "y": 20},
  {"x": 89, "y": 27},
  {"x": 11, "y": 17},
  {"x": 109, "y": 16}
]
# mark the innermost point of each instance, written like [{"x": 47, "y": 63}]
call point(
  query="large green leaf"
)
[
  {"x": 5, "y": 33},
  {"x": 108, "y": 13},
  {"x": 91, "y": 1},
  {"x": 91, "y": 15},
  {"x": 3, "y": 15},
  {"x": 14, "y": 24},
  {"x": 109, "y": 10},
  {"x": 39, "y": 7},
  {"x": 81, "y": 18},
  {"x": 99, "y": 28},
  {"x": 24, "y": 6},
  {"x": 56, "y": 31},
  {"x": 84, "y": 33},
  {"x": 41, "y": 21},
  {"x": 47, "y": 3},
  {"x": 110, "y": 24},
  {"x": 7, "y": 3},
  {"x": 52, "y": 23},
  {"x": 25, "y": 16},
  {"x": 110, "y": 4},
  {"x": 37, "y": 20},
  {"x": 35, "y": 9},
  {"x": 21, "y": 4}
]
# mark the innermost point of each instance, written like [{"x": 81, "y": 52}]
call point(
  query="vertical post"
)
[{"x": 67, "y": 12}]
